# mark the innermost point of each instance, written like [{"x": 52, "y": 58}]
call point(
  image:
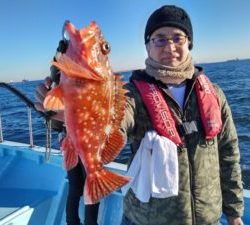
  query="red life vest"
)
[{"x": 161, "y": 116}]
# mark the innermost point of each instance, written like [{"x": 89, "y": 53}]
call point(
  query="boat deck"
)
[{"x": 33, "y": 191}]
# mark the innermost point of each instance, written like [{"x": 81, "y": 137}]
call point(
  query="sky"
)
[{"x": 30, "y": 31}]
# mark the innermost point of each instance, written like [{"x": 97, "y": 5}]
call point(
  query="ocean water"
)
[{"x": 232, "y": 76}]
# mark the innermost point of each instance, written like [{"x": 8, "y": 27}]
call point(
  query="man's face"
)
[{"x": 168, "y": 46}]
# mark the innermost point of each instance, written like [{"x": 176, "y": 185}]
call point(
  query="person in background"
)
[
  {"x": 77, "y": 175},
  {"x": 185, "y": 160}
]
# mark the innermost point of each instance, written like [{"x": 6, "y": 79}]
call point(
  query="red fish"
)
[{"x": 93, "y": 100}]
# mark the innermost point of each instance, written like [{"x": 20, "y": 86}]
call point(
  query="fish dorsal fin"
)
[
  {"x": 54, "y": 100},
  {"x": 115, "y": 141}
]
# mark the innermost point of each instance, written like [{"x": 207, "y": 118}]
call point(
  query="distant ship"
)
[
  {"x": 25, "y": 80},
  {"x": 233, "y": 60}
]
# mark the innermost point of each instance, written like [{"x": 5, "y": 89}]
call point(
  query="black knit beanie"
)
[{"x": 172, "y": 16}]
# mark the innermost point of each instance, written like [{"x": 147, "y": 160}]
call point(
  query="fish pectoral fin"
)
[
  {"x": 70, "y": 155},
  {"x": 113, "y": 147},
  {"x": 73, "y": 69},
  {"x": 100, "y": 184},
  {"x": 54, "y": 100}
]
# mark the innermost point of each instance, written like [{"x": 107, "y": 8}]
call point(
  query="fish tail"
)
[{"x": 100, "y": 184}]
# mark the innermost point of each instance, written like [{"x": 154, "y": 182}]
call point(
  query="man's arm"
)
[
  {"x": 43, "y": 88},
  {"x": 230, "y": 171}
]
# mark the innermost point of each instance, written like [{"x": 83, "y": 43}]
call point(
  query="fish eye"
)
[{"x": 105, "y": 47}]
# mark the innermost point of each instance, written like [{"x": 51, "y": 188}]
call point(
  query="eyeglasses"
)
[{"x": 178, "y": 40}]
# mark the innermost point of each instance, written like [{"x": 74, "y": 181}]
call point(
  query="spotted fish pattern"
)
[{"x": 93, "y": 100}]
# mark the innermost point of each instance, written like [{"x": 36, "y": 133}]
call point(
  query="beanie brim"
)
[
  {"x": 170, "y": 24},
  {"x": 167, "y": 24},
  {"x": 169, "y": 16}
]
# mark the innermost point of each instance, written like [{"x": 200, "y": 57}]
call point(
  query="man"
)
[
  {"x": 175, "y": 103},
  {"x": 202, "y": 129}
]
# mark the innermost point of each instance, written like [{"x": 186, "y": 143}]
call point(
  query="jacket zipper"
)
[
  {"x": 183, "y": 119},
  {"x": 191, "y": 193},
  {"x": 191, "y": 182},
  {"x": 188, "y": 96},
  {"x": 190, "y": 166}
]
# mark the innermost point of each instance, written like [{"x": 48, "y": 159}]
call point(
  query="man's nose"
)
[{"x": 170, "y": 46}]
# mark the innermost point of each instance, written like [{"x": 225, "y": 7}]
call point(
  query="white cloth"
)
[{"x": 154, "y": 169}]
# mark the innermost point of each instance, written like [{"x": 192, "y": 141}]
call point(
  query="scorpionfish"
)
[{"x": 93, "y": 100}]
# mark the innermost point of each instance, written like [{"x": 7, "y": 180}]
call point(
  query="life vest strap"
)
[
  {"x": 159, "y": 112},
  {"x": 164, "y": 122}
]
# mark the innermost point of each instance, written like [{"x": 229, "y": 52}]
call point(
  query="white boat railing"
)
[{"x": 30, "y": 106}]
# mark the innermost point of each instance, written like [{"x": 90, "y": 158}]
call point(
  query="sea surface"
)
[{"x": 233, "y": 77}]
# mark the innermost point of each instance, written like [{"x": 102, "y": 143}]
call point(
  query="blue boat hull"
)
[{"x": 33, "y": 192}]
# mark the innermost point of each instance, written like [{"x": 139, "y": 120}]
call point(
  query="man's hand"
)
[
  {"x": 234, "y": 221},
  {"x": 43, "y": 88},
  {"x": 40, "y": 94}
]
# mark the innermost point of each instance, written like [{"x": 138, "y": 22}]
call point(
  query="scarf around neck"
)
[{"x": 169, "y": 74}]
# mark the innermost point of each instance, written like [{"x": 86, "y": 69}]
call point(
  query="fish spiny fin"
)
[
  {"x": 70, "y": 156},
  {"x": 54, "y": 100},
  {"x": 100, "y": 184},
  {"x": 115, "y": 141},
  {"x": 73, "y": 69}
]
